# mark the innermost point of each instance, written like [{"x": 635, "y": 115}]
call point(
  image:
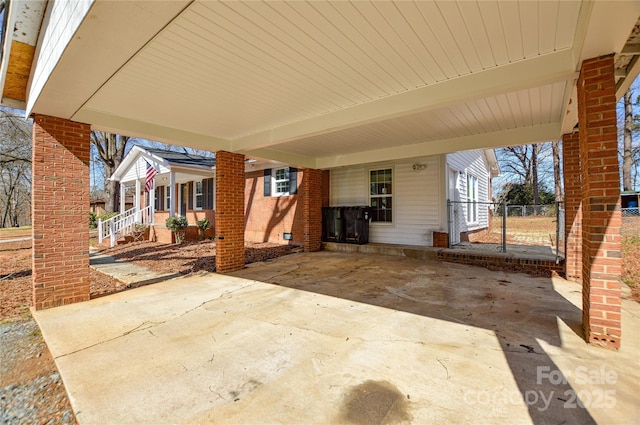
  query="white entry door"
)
[{"x": 454, "y": 209}]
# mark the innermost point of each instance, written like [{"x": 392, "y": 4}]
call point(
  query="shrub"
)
[
  {"x": 93, "y": 218},
  {"x": 140, "y": 227},
  {"x": 177, "y": 225},
  {"x": 203, "y": 225}
]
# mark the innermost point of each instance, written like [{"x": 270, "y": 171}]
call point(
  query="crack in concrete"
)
[
  {"x": 297, "y": 266},
  {"x": 445, "y": 368},
  {"x": 153, "y": 324},
  {"x": 348, "y": 338},
  {"x": 136, "y": 329}
]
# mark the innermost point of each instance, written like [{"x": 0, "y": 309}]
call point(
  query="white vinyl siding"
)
[
  {"x": 416, "y": 213},
  {"x": 471, "y": 163},
  {"x": 139, "y": 169}
]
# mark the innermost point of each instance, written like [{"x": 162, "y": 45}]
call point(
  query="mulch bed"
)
[
  {"x": 185, "y": 258},
  {"x": 190, "y": 256}
]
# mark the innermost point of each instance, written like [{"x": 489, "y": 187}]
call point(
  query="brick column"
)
[
  {"x": 60, "y": 207},
  {"x": 229, "y": 211},
  {"x": 312, "y": 194},
  {"x": 572, "y": 205},
  {"x": 601, "y": 258}
]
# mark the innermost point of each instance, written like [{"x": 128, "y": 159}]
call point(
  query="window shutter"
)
[
  {"x": 267, "y": 182},
  {"x": 208, "y": 194},
  {"x": 190, "y": 195},
  {"x": 205, "y": 189},
  {"x": 293, "y": 181},
  {"x": 160, "y": 198}
]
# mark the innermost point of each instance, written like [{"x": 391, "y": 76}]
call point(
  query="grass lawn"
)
[
  {"x": 631, "y": 260},
  {"x": 15, "y": 232},
  {"x": 541, "y": 231}
]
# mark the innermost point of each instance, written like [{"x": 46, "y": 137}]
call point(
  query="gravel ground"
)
[{"x": 31, "y": 391}]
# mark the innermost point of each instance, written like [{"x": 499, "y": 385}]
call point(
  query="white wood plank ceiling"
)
[
  {"x": 321, "y": 79},
  {"x": 525, "y": 108}
]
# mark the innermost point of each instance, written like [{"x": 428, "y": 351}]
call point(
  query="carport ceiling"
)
[{"x": 334, "y": 83}]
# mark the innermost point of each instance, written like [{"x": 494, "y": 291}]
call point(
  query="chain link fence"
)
[
  {"x": 630, "y": 222},
  {"x": 499, "y": 227}
]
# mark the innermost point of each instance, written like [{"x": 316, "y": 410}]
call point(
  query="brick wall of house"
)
[
  {"x": 160, "y": 233},
  {"x": 230, "y": 183},
  {"x": 268, "y": 218},
  {"x": 572, "y": 205},
  {"x": 312, "y": 209},
  {"x": 60, "y": 206},
  {"x": 601, "y": 219},
  {"x": 161, "y": 217}
]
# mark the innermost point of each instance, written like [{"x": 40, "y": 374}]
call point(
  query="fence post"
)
[
  {"x": 558, "y": 231},
  {"x": 504, "y": 226},
  {"x": 99, "y": 230},
  {"x": 448, "y": 223}
]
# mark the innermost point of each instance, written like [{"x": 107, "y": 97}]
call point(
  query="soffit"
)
[
  {"x": 311, "y": 83},
  {"x": 520, "y": 109},
  {"x": 232, "y": 69}
]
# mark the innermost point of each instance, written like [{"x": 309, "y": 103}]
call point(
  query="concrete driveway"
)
[{"x": 343, "y": 338}]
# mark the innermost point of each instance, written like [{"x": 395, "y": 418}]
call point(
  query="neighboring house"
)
[
  {"x": 408, "y": 197},
  {"x": 98, "y": 203}
]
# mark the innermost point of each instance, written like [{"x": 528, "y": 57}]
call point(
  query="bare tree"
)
[
  {"x": 15, "y": 168},
  {"x": 534, "y": 175},
  {"x": 627, "y": 157},
  {"x": 110, "y": 149},
  {"x": 528, "y": 166},
  {"x": 557, "y": 177},
  {"x": 517, "y": 163}
]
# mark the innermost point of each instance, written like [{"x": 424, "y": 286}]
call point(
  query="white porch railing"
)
[{"x": 124, "y": 224}]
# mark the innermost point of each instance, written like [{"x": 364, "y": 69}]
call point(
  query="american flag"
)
[{"x": 151, "y": 174}]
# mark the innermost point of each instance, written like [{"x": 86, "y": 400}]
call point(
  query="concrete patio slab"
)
[{"x": 343, "y": 339}]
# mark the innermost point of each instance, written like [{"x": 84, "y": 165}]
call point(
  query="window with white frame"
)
[
  {"x": 381, "y": 195},
  {"x": 281, "y": 182},
  {"x": 167, "y": 198},
  {"x": 472, "y": 198},
  {"x": 198, "y": 197}
]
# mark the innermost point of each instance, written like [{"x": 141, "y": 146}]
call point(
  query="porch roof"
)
[
  {"x": 182, "y": 158},
  {"x": 188, "y": 165},
  {"x": 324, "y": 84}
]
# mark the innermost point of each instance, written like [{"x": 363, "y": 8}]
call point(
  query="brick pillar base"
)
[
  {"x": 229, "y": 211},
  {"x": 312, "y": 195},
  {"x": 572, "y": 206},
  {"x": 60, "y": 206},
  {"x": 440, "y": 240},
  {"x": 601, "y": 219}
]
